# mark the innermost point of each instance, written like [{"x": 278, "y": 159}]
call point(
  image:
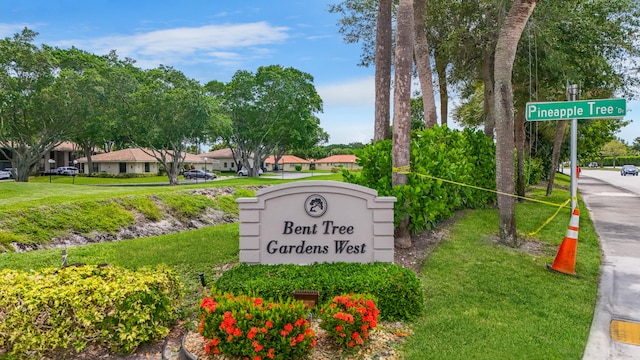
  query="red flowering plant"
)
[
  {"x": 249, "y": 327},
  {"x": 349, "y": 319}
]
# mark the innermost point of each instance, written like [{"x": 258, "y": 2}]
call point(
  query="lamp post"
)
[
  {"x": 73, "y": 175},
  {"x": 205, "y": 169},
  {"x": 51, "y": 164}
]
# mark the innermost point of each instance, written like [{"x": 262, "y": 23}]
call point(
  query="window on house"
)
[
  {"x": 233, "y": 165},
  {"x": 146, "y": 167},
  {"x": 225, "y": 165},
  {"x": 123, "y": 167}
]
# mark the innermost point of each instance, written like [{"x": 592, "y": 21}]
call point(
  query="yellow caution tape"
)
[{"x": 405, "y": 170}]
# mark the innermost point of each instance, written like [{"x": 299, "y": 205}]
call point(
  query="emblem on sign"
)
[{"x": 315, "y": 205}]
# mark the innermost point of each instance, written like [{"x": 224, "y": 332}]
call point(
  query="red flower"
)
[
  {"x": 252, "y": 333},
  {"x": 300, "y": 322},
  {"x": 271, "y": 353},
  {"x": 268, "y": 324},
  {"x": 288, "y": 327},
  {"x": 338, "y": 328},
  {"x": 256, "y": 346}
]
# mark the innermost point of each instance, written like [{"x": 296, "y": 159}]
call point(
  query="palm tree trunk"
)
[
  {"x": 402, "y": 107},
  {"x": 505, "y": 53},
  {"x": 423, "y": 63},
  {"x": 521, "y": 156},
  {"x": 383, "y": 71},
  {"x": 561, "y": 125}
]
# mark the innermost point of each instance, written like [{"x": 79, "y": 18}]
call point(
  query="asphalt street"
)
[{"x": 613, "y": 202}]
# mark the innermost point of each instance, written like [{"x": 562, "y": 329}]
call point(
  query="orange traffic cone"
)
[{"x": 565, "y": 261}]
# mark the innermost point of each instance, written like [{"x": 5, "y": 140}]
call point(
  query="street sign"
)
[{"x": 582, "y": 109}]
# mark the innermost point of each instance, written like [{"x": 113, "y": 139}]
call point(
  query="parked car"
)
[
  {"x": 66, "y": 170},
  {"x": 5, "y": 175},
  {"x": 245, "y": 172},
  {"x": 11, "y": 171},
  {"x": 629, "y": 170},
  {"x": 199, "y": 174}
]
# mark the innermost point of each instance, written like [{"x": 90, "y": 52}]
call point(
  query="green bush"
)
[
  {"x": 398, "y": 289},
  {"x": 464, "y": 159},
  {"x": 250, "y": 327},
  {"x": 65, "y": 310},
  {"x": 619, "y": 161},
  {"x": 298, "y": 167}
]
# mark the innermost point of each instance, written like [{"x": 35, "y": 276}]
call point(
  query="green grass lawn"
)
[
  {"x": 486, "y": 301},
  {"x": 483, "y": 300}
]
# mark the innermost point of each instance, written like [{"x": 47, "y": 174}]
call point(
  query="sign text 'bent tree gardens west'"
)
[{"x": 316, "y": 221}]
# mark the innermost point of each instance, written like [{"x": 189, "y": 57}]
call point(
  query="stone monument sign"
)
[{"x": 316, "y": 221}]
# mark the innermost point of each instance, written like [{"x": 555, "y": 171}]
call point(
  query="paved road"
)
[{"x": 614, "y": 204}]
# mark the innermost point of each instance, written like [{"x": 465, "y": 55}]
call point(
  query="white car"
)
[
  {"x": 66, "y": 170},
  {"x": 245, "y": 172},
  {"x": 5, "y": 175}
]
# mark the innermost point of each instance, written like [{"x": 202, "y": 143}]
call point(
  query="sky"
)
[{"x": 212, "y": 39}]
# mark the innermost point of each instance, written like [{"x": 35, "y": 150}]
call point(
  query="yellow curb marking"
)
[{"x": 626, "y": 332}]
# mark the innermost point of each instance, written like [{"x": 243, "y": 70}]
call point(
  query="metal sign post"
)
[{"x": 572, "y": 92}]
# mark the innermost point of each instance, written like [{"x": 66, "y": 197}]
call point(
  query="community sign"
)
[{"x": 316, "y": 221}]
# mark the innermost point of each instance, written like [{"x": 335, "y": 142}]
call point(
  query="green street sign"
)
[{"x": 582, "y": 109}]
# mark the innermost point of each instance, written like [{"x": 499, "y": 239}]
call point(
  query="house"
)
[
  {"x": 132, "y": 160},
  {"x": 343, "y": 161},
  {"x": 63, "y": 154},
  {"x": 224, "y": 160},
  {"x": 286, "y": 162}
]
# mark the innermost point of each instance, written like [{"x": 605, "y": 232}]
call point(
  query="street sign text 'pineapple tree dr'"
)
[{"x": 582, "y": 109}]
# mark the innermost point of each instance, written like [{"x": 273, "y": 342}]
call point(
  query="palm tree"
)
[
  {"x": 402, "y": 107},
  {"x": 505, "y": 53}
]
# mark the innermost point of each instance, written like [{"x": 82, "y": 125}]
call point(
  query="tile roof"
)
[
  {"x": 132, "y": 155},
  {"x": 286, "y": 159},
  {"x": 345, "y": 159}
]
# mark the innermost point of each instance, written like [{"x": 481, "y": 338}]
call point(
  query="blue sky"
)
[{"x": 212, "y": 39}]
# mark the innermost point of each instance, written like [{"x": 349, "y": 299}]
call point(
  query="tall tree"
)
[
  {"x": 30, "y": 126},
  {"x": 383, "y": 71},
  {"x": 505, "y": 54},
  {"x": 170, "y": 112},
  {"x": 273, "y": 108},
  {"x": 402, "y": 107},
  {"x": 423, "y": 63}
]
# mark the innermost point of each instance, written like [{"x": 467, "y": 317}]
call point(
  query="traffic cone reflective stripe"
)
[{"x": 565, "y": 261}]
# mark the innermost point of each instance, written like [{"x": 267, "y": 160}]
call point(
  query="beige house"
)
[
  {"x": 344, "y": 161},
  {"x": 132, "y": 161},
  {"x": 223, "y": 160},
  {"x": 286, "y": 162}
]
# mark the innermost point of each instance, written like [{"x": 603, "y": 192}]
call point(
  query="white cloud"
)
[
  {"x": 186, "y": 44},
  {"x": 353, "y": 93},
  {"x": 7, "y": 30}
]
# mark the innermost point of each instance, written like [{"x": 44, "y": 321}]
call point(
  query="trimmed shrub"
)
[
  {"x": 449, "y": 169},
  {"x": 398, "y": 289},
  {"x": 71, "y": 308}
]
